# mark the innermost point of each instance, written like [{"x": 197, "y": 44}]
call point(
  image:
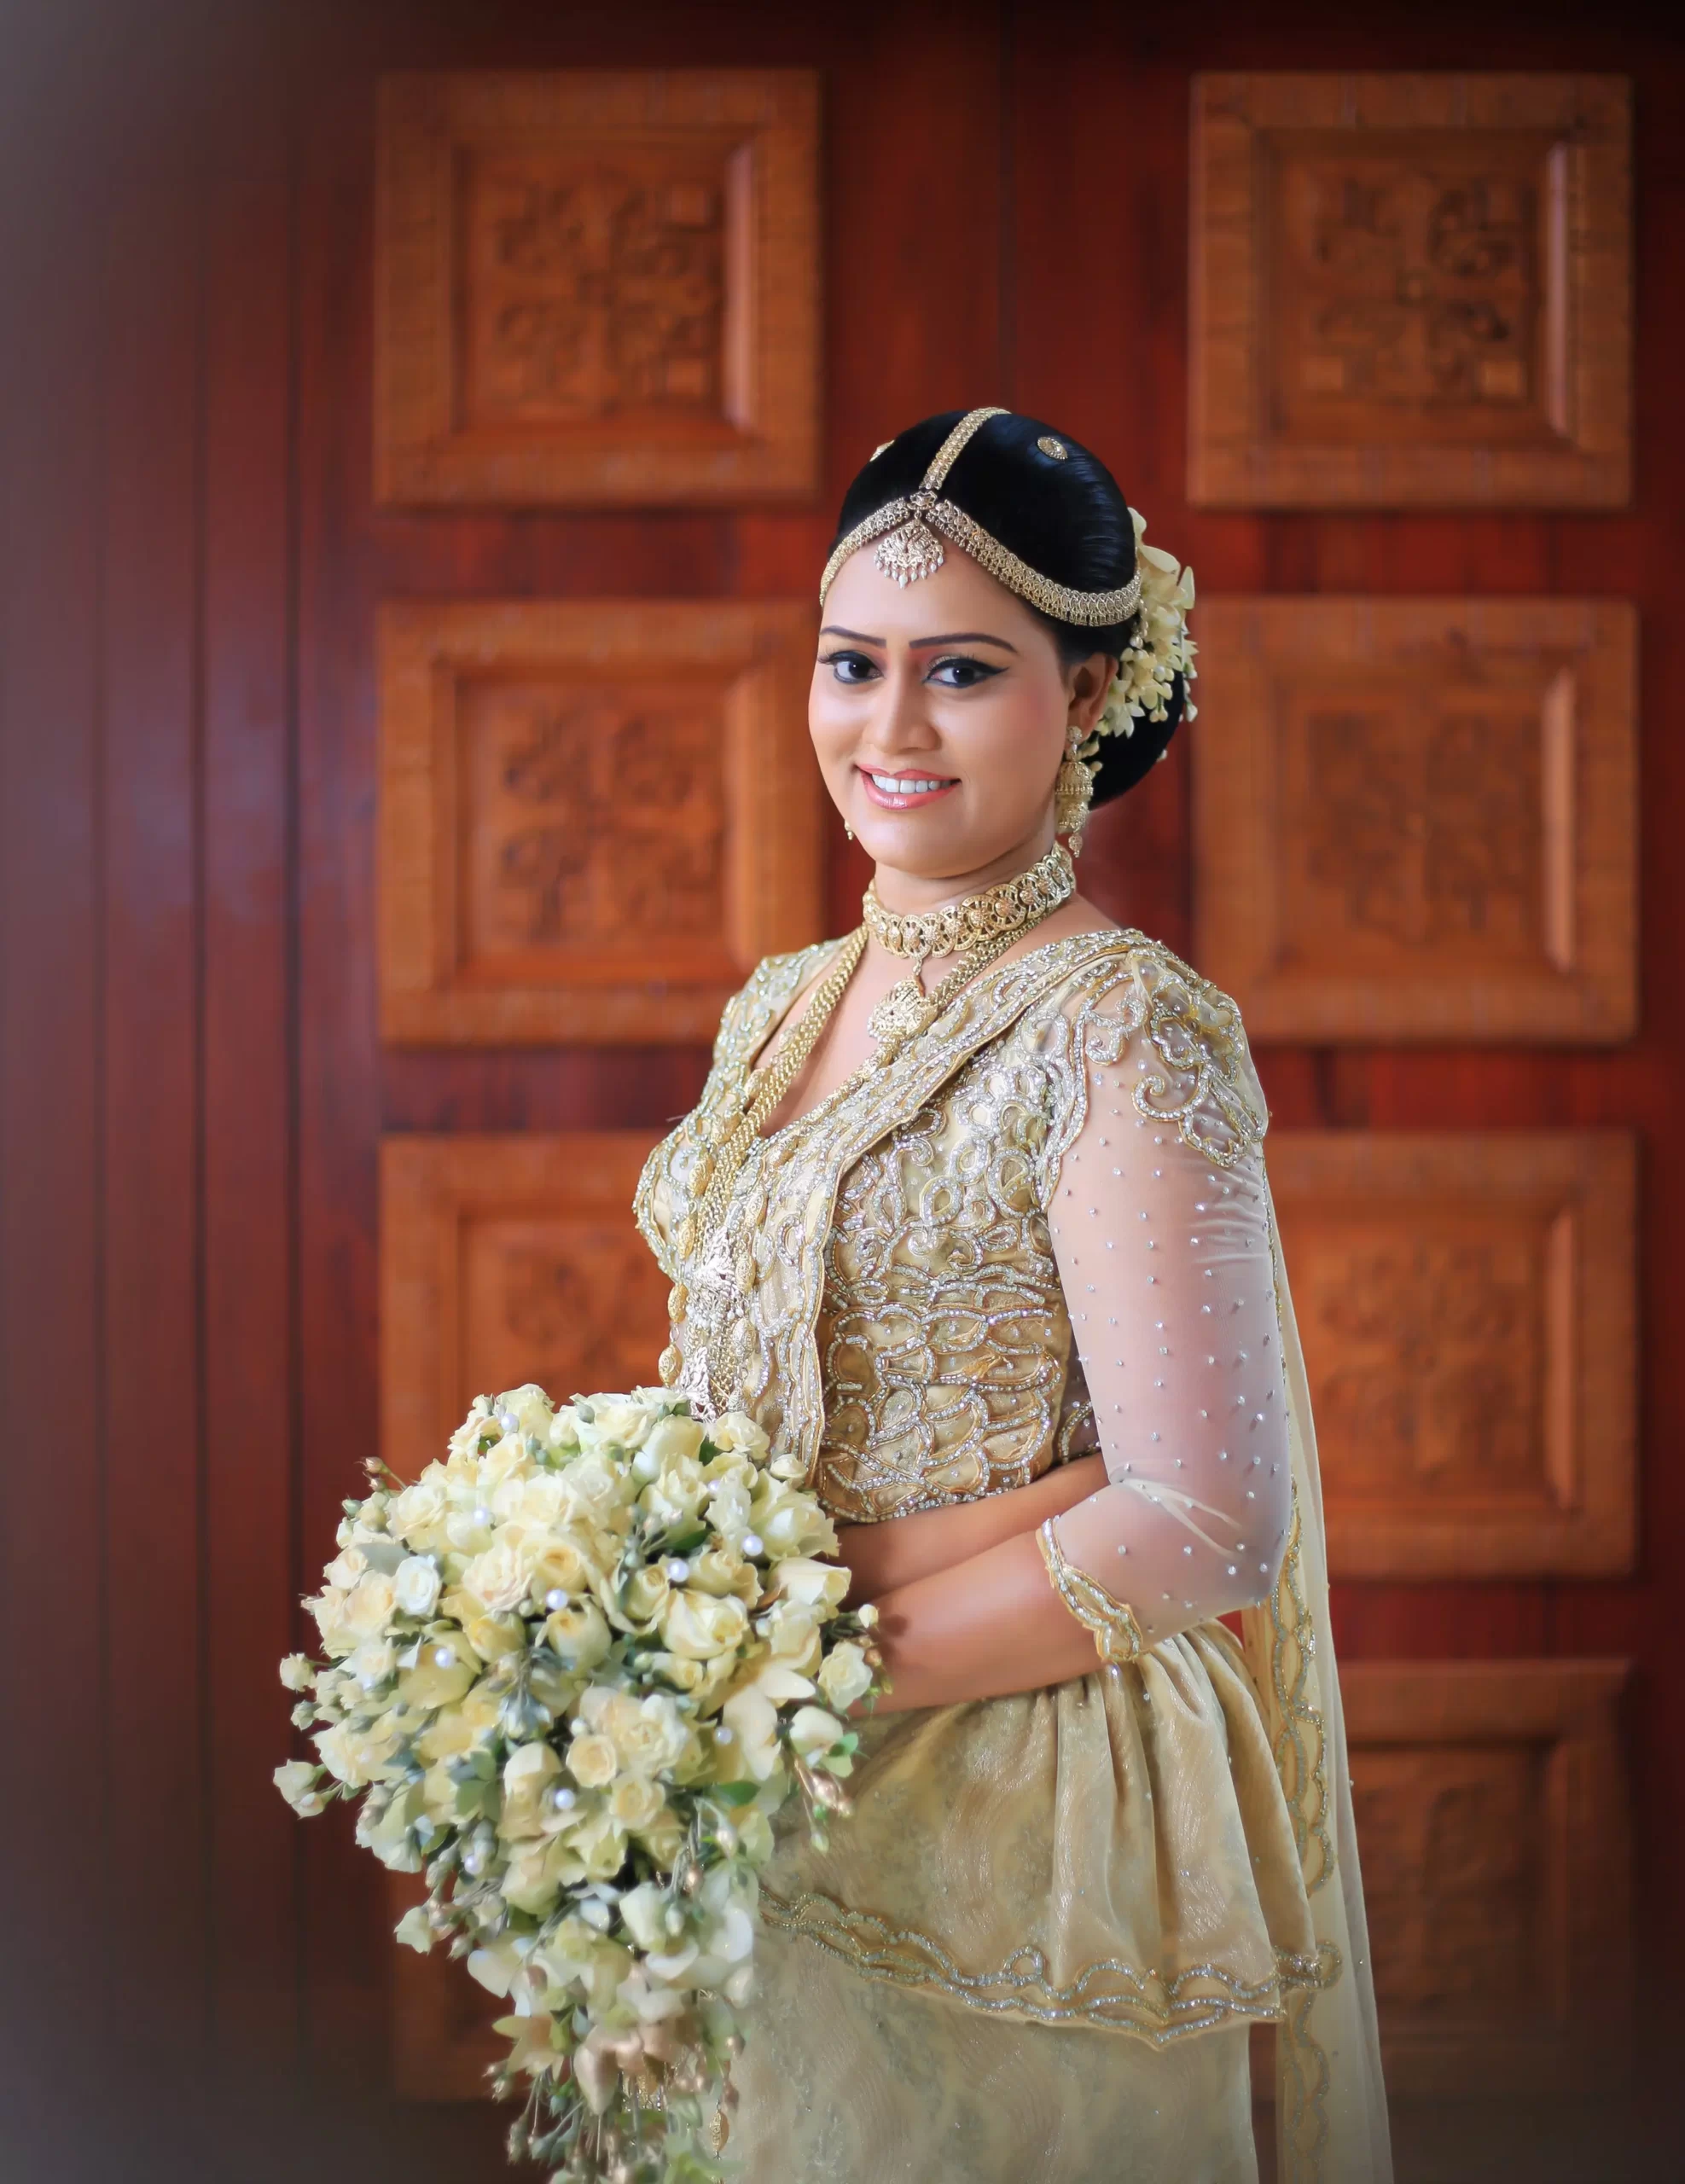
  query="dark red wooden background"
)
[{"x": 192, "y": 1092}]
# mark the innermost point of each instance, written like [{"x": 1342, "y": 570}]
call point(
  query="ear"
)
[{"x": 1086, "y": 688}]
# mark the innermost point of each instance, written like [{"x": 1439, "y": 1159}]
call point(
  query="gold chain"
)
[
  {"x": 1010, "y": 908},
  {"x": 904, "y": 1011},
  {"x": 718, "y": 1170}
]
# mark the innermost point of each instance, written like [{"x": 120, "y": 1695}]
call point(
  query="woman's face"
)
[{"x": 939, "y": 712}]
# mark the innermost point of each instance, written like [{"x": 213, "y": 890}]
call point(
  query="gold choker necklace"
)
[{"x": 1011, "y": 907}]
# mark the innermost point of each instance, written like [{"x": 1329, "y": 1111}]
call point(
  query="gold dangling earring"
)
[
  {"x": 1072, "y": 793},
  {"x": 848, "y": 830}
]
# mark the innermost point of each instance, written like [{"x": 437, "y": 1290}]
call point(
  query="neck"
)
[{"x": 913, "y": 892}]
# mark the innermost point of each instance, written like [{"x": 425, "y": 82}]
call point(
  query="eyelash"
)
[{"x": 979, "y": 670}]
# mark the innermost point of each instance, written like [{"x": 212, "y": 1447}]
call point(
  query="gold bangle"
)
[{"x": 1117, "y": 1634}]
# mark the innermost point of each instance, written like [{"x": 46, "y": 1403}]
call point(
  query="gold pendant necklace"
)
[
  {"x": 998, "y": 914},
  {"x": 977, "y": 929}
]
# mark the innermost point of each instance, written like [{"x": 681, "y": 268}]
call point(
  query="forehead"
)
[{"x": 959, "y": 595}]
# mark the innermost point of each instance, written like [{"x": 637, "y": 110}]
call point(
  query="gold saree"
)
[{"x": 1039, "y": 1947}]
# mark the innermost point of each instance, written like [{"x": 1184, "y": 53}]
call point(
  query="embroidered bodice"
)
[{"x": 1040, "y": 1229}]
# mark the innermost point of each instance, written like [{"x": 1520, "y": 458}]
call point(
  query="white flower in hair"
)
[{"x": 1160, "y": 649}]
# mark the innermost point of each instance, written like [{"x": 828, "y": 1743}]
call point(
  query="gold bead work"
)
[{"x": 1117, "y": 1634}]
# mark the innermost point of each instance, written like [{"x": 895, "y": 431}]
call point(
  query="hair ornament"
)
[
  {"x": 1056, "y": 448},
  {"x": 1160, "y": 649},
  {"x": 909, "y": 532}
]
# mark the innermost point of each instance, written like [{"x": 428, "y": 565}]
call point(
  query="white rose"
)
[
  {"x": 531, "y": 1407},
  {"x": 752, "y": 1719},
  {"x": 720, "y": 1568},
  {"x": 579, "y": 1633},
  {"x": 529, "y": 1772},
  {"x": 698, "y": 1626},
  {"x": 420, "y": 1508},
  {"x": 297, "y": 1672},
  {"x": 445, "y": 1672},
  {"x": 814, "y": 1730},
  {"x": 809, "y": 1583},
  {"x": 499, "y": 1578},
  {"x": 562, "y": 1565},
  {"x": 671, "y": 1437},
  {"x": 676, "y": 1493},
  {"x": 844, "y": 1675},
  {"x": 296, "y": 1782},
  {"x": 416, "y": 1585},
  {"x": 369, "y": 1606},
  {"x": 591, "y": 1761},
  {"x": 729, "y": 1514},
  {"x": 620, "y": 1425},
  {"x": 344, "y": 1570},
  {"x": 791, "y": 1521},
  {"x": 599, "y": 1842},
  {"x": 793, "y": 1633},
  {"x": 372, "y": 1663},
  {"x": 636, "y": 1801},
  {"x": 735, "y": 1432},
  {"x": 648, "y": 1735},
  {"x": 643, "y": 1911},
  {"x": 594, "y": 1487}
]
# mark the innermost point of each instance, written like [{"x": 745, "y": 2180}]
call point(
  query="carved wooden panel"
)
[
  {"x": 1415, "y": 818},
  {"x": 1491, "y": 1813},
  {"x": 596, "y": 816},
  {"x": 597, "y": 287},
  {"x": 1411, "y": 291},
  {"x": 1467, "y": 1306},
  {"x": 506, "y": 1259}
]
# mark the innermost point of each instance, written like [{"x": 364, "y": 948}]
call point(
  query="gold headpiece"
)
[{"x": 909, "y": 548}]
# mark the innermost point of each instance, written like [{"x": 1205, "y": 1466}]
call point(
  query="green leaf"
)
[{"x": 732, "y": 1793}]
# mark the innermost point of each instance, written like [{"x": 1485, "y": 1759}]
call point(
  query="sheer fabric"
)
[{"x": 1165, "y": 1252}]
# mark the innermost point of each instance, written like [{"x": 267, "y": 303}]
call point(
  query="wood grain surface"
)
[{"x": 194, "y": 1089}]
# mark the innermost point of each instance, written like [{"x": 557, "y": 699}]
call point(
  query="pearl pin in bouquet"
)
[{"x": 572, "y": 1673}]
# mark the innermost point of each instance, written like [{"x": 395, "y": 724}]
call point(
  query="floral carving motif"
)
[
  {"x": 1453, "y": 1857},
  {"x": 1425, "y": 1355},
  {"x": 593, "y": 289},
  {"x": 593, "y": 814},
  {"x": 1418, "y": 828},
  {"x": 572, "y": 1302},
  {"x": 1410, "y": 283}
]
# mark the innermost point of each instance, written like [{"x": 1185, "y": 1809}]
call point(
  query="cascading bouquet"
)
[{"x": 573, "y": 1672}]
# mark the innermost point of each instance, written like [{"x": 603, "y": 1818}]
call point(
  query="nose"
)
[{"x": 900, "y": 724}]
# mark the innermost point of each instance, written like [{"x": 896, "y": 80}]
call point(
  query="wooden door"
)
[{"x": 196, "y": 1090}]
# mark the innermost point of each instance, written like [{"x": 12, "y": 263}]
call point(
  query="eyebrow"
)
[
  {"x": 962, "y": 637},
  {"x": 918, "y": 644}
]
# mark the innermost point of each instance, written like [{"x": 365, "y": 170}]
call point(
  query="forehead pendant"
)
[{"x": 913, "y": 550}]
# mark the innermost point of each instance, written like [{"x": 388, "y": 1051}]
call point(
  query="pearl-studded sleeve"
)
[{"x": 1159, "y": 1214}]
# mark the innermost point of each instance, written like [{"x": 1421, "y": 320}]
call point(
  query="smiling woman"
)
[{"x": 973, "y": 1217}]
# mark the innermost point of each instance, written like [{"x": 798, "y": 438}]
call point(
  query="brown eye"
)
[
  {"x": 960, "y": 672},
  {"x": 849, "y": 666}
]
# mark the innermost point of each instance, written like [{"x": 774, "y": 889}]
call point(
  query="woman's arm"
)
[
  {"x": 1164, "y": 1253},
  {"x": 888, "y": 1556},
  {"x": 979, "y": 1630}
]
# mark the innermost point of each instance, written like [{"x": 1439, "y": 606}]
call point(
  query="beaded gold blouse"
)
[{"x": 891, "y": 1287}]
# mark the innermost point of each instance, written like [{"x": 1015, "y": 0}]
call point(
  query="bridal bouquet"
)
[{"x": 572, "y": 1672}]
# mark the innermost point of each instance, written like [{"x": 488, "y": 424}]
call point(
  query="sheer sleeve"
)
[{"x": 1158, "y": 1213}]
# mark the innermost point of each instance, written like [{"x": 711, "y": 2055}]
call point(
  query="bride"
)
[{"x": 972, "y": 1213}]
